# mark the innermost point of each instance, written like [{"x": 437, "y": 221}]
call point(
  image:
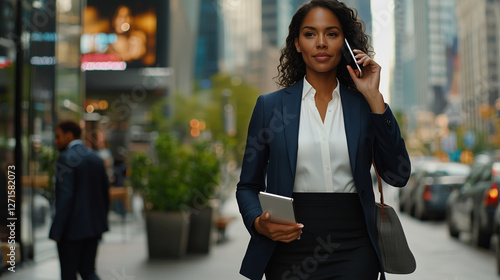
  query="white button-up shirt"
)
[{"x": 323, "y": 163}]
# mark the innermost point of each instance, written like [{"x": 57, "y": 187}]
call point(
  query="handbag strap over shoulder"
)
[{"x": 379, "y": 188}]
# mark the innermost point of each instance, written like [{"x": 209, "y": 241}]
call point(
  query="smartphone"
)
[{"x": 349, "y": 57}]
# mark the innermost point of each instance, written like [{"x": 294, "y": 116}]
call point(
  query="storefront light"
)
[
  {"x": 108, "y": 65},
  {"x": 195, "y": 132},
  {"x": 71, "y": 106},
  {"x": 125, "y": 27},
  {"x": 43, "y": 60},
  {"x": 37, "y": 4},
  {"x": 90, "y": 109},
  {"x": 103, "y": 105},
  {"x": 194, "y": 123}
]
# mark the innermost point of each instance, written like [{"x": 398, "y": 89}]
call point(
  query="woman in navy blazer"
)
[{"x": 326, "y": 250}]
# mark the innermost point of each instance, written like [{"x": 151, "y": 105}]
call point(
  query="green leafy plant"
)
[
  {"x": 162, "y": 178},
  {"x": 176, "y": 176},
  {"x": 203, "y": 173},
  {"x": 47, "y": 158}
]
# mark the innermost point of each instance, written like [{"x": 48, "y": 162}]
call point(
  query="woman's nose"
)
[{"x": 321, "y": 43}]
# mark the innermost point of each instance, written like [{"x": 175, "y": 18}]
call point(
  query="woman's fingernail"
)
[{"x": 301, "y": 226}]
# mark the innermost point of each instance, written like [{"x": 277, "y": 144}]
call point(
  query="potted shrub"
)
[
  {"x": 161, "y": 179},
  {"x": 203, "y": 179},
  {"x": 47, "y": 159}
]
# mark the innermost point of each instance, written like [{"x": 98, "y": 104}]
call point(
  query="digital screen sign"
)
[{"x": 118, "y": 35}]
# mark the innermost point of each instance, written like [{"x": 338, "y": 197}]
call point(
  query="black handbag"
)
[{"x": 397, "y": 257}]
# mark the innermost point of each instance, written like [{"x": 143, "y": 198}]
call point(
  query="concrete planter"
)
[
  {"x": 202, "y": 228},
  {"x": 167, "y": 233}
]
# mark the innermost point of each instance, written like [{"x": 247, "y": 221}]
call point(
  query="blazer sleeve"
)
[
  {"x": 389, "y": 150},
  {"x": 65, "y": 184},
  {"x": 254, "y": 169}
]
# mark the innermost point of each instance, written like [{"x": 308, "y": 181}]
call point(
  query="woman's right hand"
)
[{"x": 277, "y": 232}]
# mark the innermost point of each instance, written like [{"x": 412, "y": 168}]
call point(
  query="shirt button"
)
[
  {"x": 327, "y": 168},
  {"x": 324, "y": 139},
  {"x": 329, "y": 110}
]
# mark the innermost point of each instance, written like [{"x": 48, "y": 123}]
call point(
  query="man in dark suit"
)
[{"x": 82, "y": 203}]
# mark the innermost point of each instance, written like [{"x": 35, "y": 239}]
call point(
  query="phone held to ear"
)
[{"x": 349, "y": 57}]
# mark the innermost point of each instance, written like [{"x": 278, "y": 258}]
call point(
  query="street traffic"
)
[{"x": 438, "y": 255}]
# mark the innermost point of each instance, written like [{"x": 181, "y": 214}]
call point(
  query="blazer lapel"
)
[
  {"x": 290, "y": 110},
  {"x": 350, "y": 108}
]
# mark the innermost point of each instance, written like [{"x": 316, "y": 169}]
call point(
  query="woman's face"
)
[{"x": 320, "y": 41}]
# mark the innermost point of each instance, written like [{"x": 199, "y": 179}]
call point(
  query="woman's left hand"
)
[{"x": 368, "y": 83}]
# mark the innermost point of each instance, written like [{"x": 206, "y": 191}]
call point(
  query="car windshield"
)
[{"x": 448, "y": 169}]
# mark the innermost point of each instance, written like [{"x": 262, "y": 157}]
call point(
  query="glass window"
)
[
  {"x": 475, "y": 174},
  {"x": 7, "y": 95},
  {"x": 486, "y": 173}
]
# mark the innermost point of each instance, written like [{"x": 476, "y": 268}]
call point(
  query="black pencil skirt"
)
[{"x": 334, "y": 243}]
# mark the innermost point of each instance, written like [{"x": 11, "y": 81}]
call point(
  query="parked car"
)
[
  {"x": 496, "y": 233},
  {"x": 406, "y": 193},
  {"x": 471, "y": 208},
  {"x": 434, "y": 182}
]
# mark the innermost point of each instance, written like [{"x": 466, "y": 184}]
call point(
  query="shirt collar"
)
[
  {"x": 308, "y": 89},
  {"x": 75, "y": 142}
]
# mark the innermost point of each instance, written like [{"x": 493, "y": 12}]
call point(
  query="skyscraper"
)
[
  {"x": 183, "y": 31},
  {"x": 242, "y": 33},
  {"x": 276, "y": 16},
  {"x": 364, "y": 12},
  {"x": 207, "y": 53},
  {"x": 478, "y": 45},
  {"x": 425, "y": 38},
  {"x": 404, "y": 96}
]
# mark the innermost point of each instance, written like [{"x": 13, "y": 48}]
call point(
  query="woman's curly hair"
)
[{"x": 292, "y": 67}]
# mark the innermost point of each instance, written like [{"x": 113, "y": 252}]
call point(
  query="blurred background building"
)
[
  {"x": 479, "y": 64},
  {"x": 424, "y": 78},
  {"x": 426, "y": 47},
  {"x": 364, "y": 9}
]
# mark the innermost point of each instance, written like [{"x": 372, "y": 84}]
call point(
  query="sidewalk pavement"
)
[{"x": 123, "y": 255}]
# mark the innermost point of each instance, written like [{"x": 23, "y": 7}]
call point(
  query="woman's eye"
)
[
  {"x": 332, "y": 34},
  {"x": 308, "y": 34}
]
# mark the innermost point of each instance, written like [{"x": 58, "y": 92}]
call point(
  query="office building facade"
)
[
  {"x": 426, "y": 49},
  {"x": 478, "y": 45}
]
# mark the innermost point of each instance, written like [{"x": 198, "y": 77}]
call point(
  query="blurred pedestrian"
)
[
  {"x": 120, "y": 168},
  {"x": 82, "y": 203},
  {"x": 314, "y": 141}
]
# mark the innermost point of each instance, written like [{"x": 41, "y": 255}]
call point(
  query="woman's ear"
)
[{"x": 297, "y": 46}]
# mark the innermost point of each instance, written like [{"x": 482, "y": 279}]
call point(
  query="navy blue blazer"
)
[
  {"x": 270, "y": 160},
  {"x": 82, "y": 195}
]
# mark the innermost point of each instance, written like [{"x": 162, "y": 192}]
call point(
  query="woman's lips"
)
[{"x": 322, "y": 57}]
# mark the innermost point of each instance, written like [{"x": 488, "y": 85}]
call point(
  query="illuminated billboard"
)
[{"x": 117, "y": 35}]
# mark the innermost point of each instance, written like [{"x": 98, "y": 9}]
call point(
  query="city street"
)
[
  {"x": 441, "y": 257},
  {"x": 438, "y": 256},
  {"x": 180, "y": 99},
  {"x": 123, "y": 255}
]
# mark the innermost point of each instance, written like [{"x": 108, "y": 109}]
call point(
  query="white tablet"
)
[{"x": 280, "y": 208}]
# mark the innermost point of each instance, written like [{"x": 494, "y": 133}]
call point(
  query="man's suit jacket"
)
[
  {"x": 270, "y": 160},
  {"x": 82, "y": 195}
]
